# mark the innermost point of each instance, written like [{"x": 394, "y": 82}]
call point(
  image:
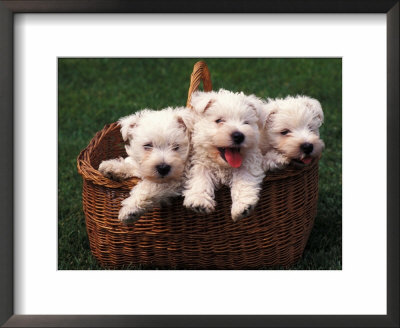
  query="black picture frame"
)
[{"x": 7, "y": 11}]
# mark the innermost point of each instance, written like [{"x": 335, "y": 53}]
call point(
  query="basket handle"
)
[{"x": 200, "y": 73}]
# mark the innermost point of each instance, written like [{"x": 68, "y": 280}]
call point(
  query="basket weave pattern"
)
[{"x": 175, "y": 237}]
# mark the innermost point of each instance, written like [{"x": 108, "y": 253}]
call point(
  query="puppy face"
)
[
  {"x": 225, "y": 127},
  {"x": 158, "y": 143},
  {"x": 292, "y": 127}
]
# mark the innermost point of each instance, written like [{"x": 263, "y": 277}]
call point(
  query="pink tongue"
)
[
  {"x": 306, "y": 160},
  {"x": 233, "y": 157}
]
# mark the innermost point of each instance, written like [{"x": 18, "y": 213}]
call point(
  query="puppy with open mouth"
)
[
  {"x": 225, "y": 139},
  {"x": 289, "y": 131}
]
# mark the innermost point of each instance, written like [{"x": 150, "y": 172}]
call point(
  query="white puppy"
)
[
  {"x": 290, "y": 131},
  {"x": 225, "y": 152},
  {"x": 158, "y": 148}
]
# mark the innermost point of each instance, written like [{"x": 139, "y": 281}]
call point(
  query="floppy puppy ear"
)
[
  {"x": 181, "y": 123},
  {"x": 266, "y": 114},
  {"x": 201, "y": 101},
  {"x": 315, "y": 106},
  {"x": 128, "y": 123},
  {"x": 258, "y": 106},
  {"x": 186, "y": 119},
  {"x": 254, "y": 102},
  {"x": 271, "y": 116}
]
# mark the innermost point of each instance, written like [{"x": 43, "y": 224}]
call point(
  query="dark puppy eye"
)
[
  {"x": 218, "y": 121},
  {"x": 175, "y": 147},
  {"x": 148, "y": 146},
  {"x": 246, "y": 122},
  {"x": 285, "y": 132}
]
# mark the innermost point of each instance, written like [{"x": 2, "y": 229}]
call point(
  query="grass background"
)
[{"x": 95, "y": 92}]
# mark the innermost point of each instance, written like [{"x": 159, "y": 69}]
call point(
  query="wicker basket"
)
[{"x": 175, "y": 237}]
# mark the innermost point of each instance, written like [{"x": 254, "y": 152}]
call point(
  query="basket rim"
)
[{"x": 90, "y": 173}]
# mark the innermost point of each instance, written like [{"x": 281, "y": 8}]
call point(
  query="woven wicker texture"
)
[{"x": 174, "y": 237}]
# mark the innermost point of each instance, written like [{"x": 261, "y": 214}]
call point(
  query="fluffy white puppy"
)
[
  {"x": 225, "y": 152},
  {"x": 290, "y": 131},
  {"x": 158, "y": 148}
]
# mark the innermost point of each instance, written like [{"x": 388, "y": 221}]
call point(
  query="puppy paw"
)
[
  {"x": 107, "y": 169},
  {"x": 128, "y": 216},
  {"x": 273, "y": 166},
  {"x": 240, "y": 211},
  {"x": 200, "y": 205},
  {"x": 274, "y": 161},
  {"x": 202, "y": 210},
  {"x": 104, "y": 169}
]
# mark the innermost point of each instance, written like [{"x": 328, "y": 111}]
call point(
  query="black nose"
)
[
  {"x": 237, "y": 137},
  {"x": 163, "y": 169},
  {"x": 307, "y": 147}
]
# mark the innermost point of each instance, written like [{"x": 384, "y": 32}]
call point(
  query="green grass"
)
[{"x": 95, "y": 92}]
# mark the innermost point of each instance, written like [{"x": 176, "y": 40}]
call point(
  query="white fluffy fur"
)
[
  {"x": 154, "y": 138},
  {"x": 208, "y": 169},
  {"x": 302, "y": 117}
]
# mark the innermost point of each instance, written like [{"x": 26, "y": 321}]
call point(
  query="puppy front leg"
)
[
  {"x": 245, "y": 190},
  {"x": 199, "y": 190},
  {"x": 118, "y": 168},
  {"x": 274, "y": 161},
  {"x": 144, "y": 196}
]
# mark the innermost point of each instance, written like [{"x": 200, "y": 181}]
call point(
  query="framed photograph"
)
[
  {"x": 69, "y": 68},
  {"x": 175, "y": 237}
]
